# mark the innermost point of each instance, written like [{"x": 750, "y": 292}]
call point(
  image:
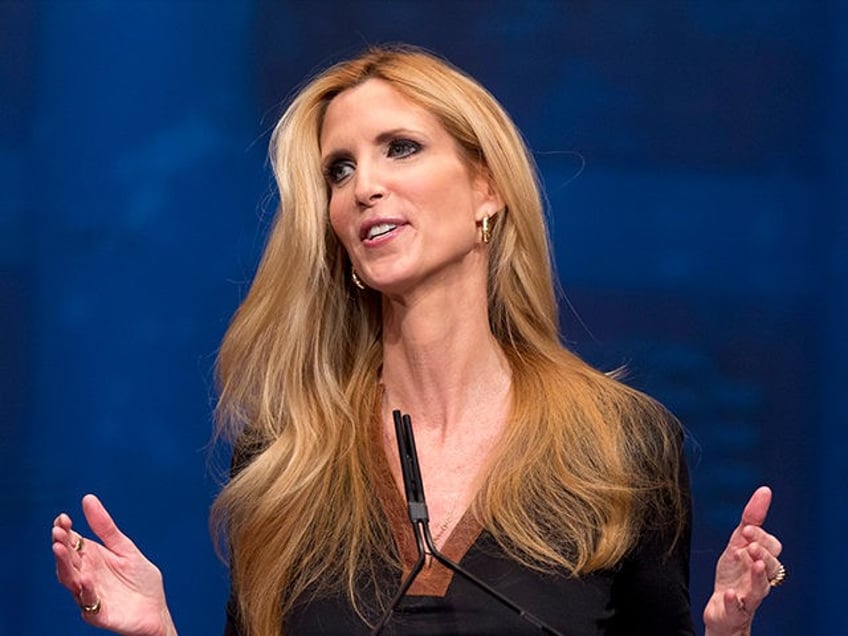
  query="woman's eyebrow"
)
[
  {"x": 389, "y": 135},
  {"x": 382, "y": 138}
]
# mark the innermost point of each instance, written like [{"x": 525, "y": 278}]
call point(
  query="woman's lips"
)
[
  {"x": 380, "y": 231},
  {"x": 381, "y": 228}
]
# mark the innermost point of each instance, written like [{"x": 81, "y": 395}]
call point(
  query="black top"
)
[{"x": 646, "y": 593}]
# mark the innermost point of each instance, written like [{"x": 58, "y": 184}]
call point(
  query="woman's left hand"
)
[
  {"x": 745, "y": 573},
  {"x": 113, "y": 583}
]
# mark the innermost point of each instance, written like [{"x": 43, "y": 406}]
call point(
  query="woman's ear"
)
[{"x": 489, "y": 200}]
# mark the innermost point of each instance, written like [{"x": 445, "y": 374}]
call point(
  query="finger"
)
[
  {"x": 754, "y": 514},
  {"x": 755, "y": 534},
  {"x": 86, "y": 594},
  {"x": 77, "y": 542},
  {"x": 756, "y": 509},
  {"x": 63, "y": 521},
  {"x": 74, "y": 541},
  {"x": 66, "y": 571},
  {"x": 90, "y": 604},
  {"x": 68, "y": 540},
  {"x": 102, "y": 525},
  {"x": 759, "y": 554},
  {"x": 59, "y": 534},
  {"x": 62, "y": 531},
  {"x": 759, "y": 585}
]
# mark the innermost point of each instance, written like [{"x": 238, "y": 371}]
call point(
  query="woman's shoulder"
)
[{"x": 612, "y": 397}]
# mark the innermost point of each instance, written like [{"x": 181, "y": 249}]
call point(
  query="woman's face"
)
[{"x": 404, "y": 202}]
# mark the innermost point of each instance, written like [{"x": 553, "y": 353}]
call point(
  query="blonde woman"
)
[{"x": 409, "y": 269}]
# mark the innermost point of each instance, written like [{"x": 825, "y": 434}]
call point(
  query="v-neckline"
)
[{"x": 434, "y": 579}]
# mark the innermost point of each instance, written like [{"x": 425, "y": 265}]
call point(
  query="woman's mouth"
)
[
  {"x": 379, "y": 230},
  {"x": 372, "y": 232}
]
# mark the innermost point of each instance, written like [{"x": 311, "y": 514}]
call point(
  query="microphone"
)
[{"x": 420, "y": 519}]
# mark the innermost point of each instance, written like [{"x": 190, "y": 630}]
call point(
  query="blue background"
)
[{"x": 693, "y": 155}]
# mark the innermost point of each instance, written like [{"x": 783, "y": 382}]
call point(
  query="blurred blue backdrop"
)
[{"x": 693, "y": 157}]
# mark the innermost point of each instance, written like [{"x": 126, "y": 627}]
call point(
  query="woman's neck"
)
[{"x": 441, "y": 362}]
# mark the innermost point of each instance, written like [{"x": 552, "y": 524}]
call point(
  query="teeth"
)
[{"x": 381, "y": 228}]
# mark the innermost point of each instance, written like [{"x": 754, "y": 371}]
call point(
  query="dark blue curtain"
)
[{"x": 692, "y": 154}]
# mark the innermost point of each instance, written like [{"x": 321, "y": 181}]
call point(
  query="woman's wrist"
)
[
  {"x": 737, "y": 632},
  {"x": 163, "y": 627},
  {"x": 168, "y": 622},
  {"x": 718, "y": 621}
]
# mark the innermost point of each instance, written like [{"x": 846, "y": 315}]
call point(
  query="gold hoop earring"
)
[
  {"x": 486, "y": 230},
  {"x": 356, "y": 280}
]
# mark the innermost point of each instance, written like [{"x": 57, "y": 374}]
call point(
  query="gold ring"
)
[
  {"x": 91, "y": 609},
  {"x": 779, "y": 577},
  {"x": 77, "y": 545}
]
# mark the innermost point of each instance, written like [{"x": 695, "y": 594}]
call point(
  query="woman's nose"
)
[{"x": 369, "y": 186}]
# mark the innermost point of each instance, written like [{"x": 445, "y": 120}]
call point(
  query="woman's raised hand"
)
[
  {"x": 745, "y": 573},
  {"x": 113, "y": 583}
]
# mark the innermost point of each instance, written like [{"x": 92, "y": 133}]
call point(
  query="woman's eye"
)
[
  {"x": 400, "y": 148},
  {"x": 338, "y": 171}
]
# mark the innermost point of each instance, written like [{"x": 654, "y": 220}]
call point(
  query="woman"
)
[{"x": 409, "y": 268}]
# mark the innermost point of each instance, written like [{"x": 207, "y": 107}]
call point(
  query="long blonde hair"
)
[{"x": 583, "y": 462}]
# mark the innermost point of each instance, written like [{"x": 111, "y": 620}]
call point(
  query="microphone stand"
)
[{"x": 420, "y": 519}]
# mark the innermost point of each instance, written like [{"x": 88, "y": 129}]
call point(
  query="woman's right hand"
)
[
  {"x": 746, "y": 571},
  {"x": 113, "y": 583}
]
